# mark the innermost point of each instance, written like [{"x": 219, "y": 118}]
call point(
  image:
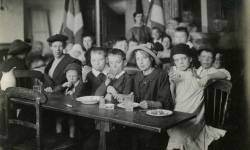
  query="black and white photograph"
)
[{"x": 124, "y": 75}]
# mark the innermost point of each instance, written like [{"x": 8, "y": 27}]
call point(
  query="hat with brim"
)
[
  {"x": 19, "y": 47},
  {"x": 131, "y": 53},
  {"x": 73, "y": 66},
  {"x": 57, "y": 37}
]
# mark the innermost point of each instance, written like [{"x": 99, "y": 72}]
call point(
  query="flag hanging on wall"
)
[
  {"x": 72, "y": 23},
  {"x": 139, "y": 6},
  {"x": 157, "y": 15}
]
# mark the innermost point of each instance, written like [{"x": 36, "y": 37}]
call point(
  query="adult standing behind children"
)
[
  {"x": 139, "y": 32},
  {"x": 58, "y": 63}
]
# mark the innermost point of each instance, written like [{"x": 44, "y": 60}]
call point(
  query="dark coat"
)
[
  {"x": 92, "y": 84},
  {"x": 58, "y": 75},
  {"x": 153, "y": 87},
  {"x": 14, "y": 62},
  {"x": 123, "y": 85}
]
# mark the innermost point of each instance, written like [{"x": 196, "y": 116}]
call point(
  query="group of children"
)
[{"x": 151, "y": 87}]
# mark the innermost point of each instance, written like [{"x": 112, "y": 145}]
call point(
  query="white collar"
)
[
  {"x": 119, "y": 75},
  {"x": 96, "y": 72}
]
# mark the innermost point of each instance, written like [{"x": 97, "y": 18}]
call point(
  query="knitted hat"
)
[
  {"x": 73, "y": 66},
  {"x": 181, "y": 49}
]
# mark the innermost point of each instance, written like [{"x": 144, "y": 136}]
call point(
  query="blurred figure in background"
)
[
  {"x": 156, "y": 35},
  {"x": 121, "y": 44},
  {"x": 172, "y": 24},
  {"x": 165, "y": 54},
  {"x": 139, "y": 32},
  {"x": 188, "y": 21},
  {"x": 78, "y": 53}
]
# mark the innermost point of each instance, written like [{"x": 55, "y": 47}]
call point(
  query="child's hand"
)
[
  {"x": 203, "y": 81},
  {"x": 174, "y": 76},
  {"x": 108, "y": 97},
  {"x": 118, "y": 97},
  {"x": 85, "y": 71},
  {"x": 144, "y": 104},
  {"x": 48, "y": 89},
  {"x": 67, "y": 84},
  {"x": 111, "y": 90}
]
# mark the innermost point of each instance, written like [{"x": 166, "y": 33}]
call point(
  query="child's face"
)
[
  {"x": 87, "y": 42},
  {"x": 180, "y": 38},
  {"x": 116, "y": 63},
  {"x": 217, "y": 62},
  {"x": 143, "y": 60},
  {"x": 123, "y": 45},
  {"x": 155, "y": 34},
  {"x": 98, "y": 60},
  {"x": 206, "y": 59},
  {"x": 139, "y": 18},
  {"x": 166, "y": 43},
  {"x": 72, "y": 76},
  {"x": 182, "y": 61}
]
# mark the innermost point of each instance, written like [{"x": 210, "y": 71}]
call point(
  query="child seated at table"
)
[
  {"x": 194, "y": 134},
  {"x": 97, "y": 75},
  {"x": 118, "y": 81},
  {"x": 152, "y": 91},
  {"x": 206, "y": 59},
  {"x": 73, "y": 87}
]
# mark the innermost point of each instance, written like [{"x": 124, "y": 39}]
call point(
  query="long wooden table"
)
[{"x": 137, "y": 119}]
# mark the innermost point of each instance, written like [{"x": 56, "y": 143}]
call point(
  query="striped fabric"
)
[
  {"x": 157, "y": 15},
  {"x": 72, "y": 23}
]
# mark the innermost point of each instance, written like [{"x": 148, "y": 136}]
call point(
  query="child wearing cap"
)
[
  {"x": 118, "y": 81},
  {"x": 151, "y": 90},
  {"x": 73, "y": 87},
  {"x": 189, "y": 98}
]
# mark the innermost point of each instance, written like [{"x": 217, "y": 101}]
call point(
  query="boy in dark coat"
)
[
  {"x": 118, "y": 81},
  {"x": 97, "y": 75}
]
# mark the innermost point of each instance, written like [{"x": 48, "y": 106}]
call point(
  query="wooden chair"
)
[
  {"x": 217, "y": 99},
  {"x": 26, "y": 78},
  {"x": 217, "y": 102},
  {"x": 34, "y": 99}
]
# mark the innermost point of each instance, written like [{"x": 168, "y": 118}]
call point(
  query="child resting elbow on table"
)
[
  {"x": 118, "y": 81},
  {"x": 73, "y": 87}
]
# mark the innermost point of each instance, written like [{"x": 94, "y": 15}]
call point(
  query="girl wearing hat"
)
[
  {"x": 59, "y": 62},
  {"x": 188, "y": 91},
  {"x": 151, "y": 89}
]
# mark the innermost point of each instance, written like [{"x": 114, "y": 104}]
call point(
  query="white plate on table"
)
[
  {"x": 122, "y": 105},
  {"x": 159, "y": 112},
  {"x": 89, "y": 100}
]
